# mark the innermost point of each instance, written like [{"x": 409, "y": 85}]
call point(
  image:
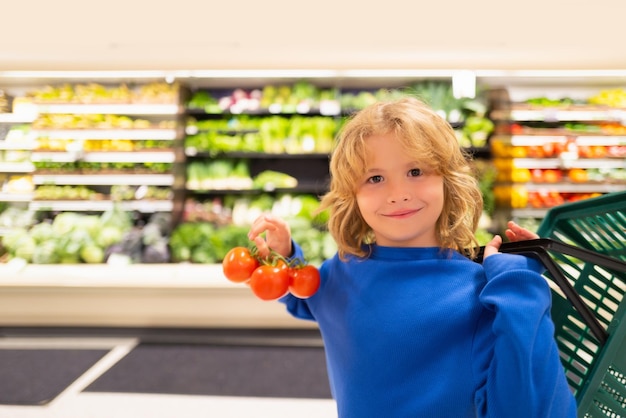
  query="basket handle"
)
[
  {"x": 563, "y": 248},
  {"x": 539, "y": 249}
]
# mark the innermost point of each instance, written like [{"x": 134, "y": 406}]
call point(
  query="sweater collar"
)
[{"x": 411, "y": 253}]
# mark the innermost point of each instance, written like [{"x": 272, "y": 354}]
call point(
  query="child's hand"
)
[
  {"x": 492, "y": 246},
  {"x": 516, "y": 233},
  {"x": 277, "y": 235}
]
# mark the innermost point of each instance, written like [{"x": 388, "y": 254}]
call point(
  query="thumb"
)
[{"x": 493, "y": 246}]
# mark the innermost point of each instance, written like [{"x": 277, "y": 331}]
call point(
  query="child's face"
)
[{"x": 399, "y": 198}]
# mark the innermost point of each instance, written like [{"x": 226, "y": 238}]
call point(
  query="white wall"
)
[{"x": 227, "y": 34}]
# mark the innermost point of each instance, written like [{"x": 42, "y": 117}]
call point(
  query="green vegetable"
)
[
  {"x": 64, "y": 223},
  {"x": 202, "y": 242},
  {"x": 69, "y": 238},
  {"x": 12, "y": 238},
  {"x": 109, "y": 235},
  {"x": 25, "y": 248},
  {"x": 116, "y": 217},
  {"x": 45, "y": 253},
  {"x": 270, "y": 180},
  {"x": 92, "y": 254}
]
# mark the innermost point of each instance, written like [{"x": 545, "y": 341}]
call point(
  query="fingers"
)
[
  {"x": 262, "y": 247},
  {"x": 492, "y": 246},
  {"x": 517, "y": 233},
  {"x": 277, "y": 235}
]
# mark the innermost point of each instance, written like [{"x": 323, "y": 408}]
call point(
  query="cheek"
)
[
  {"x": 366, "y": 203},
  {"x": 435, "y": 192},
  {"x": 440, "y": 192}
]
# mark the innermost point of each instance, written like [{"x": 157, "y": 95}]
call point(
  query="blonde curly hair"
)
[{"x": 427, "y": 137}]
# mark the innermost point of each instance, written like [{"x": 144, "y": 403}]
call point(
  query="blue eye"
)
[
  {"x": 416, "y": 172},
  {"x": 375, "y": 179}
]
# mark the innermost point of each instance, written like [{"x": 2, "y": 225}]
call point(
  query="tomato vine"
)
[{"x": 273, "y": 276}]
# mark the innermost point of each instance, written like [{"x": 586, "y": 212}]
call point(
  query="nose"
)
[
  {"x": 402, "y": 198},
  {"x": 398, "y": 195}
]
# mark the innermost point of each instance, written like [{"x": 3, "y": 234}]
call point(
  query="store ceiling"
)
[{"x": 321, "y": 34}]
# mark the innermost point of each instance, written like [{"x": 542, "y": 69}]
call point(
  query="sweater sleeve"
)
[{"x": 520, "y": 374}]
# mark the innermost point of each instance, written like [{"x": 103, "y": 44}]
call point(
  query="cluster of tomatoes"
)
[{"x": 271, "y": 277}]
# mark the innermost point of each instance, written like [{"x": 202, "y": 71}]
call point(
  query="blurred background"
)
[{"x": 138, "y": 141}]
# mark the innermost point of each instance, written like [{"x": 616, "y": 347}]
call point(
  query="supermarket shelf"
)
[
  {"x": 15, "y": 197},
  {"x": 106, "y": 156},
  {"x": 26, "y": 145},
  {"x": 531, "y": 140},
  {"x": 136, "y": 295},
  {"x": 575, "y": 187},
  {"x": 130, "y": 134},
  {"x": 569, "y": 163},
  {"x": 105, "y": 179},
  {"x": 17, "y": 118},
  {"x": 143, "y": 206},
  {"x": 21, "y": 167},
  {"x": 580, "y": 139},
  {"x": 551, "y": 114},
  {"x": 601, "y": 140},
  {"x": 130, "y": 157},
  {"x": 105, "y": 109},
  {"x": 529, "y": 213},
  {"x": 192, "y": 152}
]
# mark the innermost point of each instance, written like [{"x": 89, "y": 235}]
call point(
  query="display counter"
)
[{"x": 136, "y": 295}]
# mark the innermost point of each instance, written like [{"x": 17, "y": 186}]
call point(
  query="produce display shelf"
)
[
  {"x": 563, "y": 115},
  {"x": 302, "y": 187},
  {"x": 131, "y": 134},
  {"x": 135, "y": 295},
  {"x": 105, "y": 179},
  {"x": 106, "y": 156},
  {"x": 26, "y": 145},
  {"x": 531, "y": 140},
  {"x": 528, "y": 212},
  {"x": 17, "y": 118},
  {"x": 143, "y": 206},
  {"x": 569, "y": 163},
  {"x": 601, "y": 139},
  {"x": 162, "y": 276},
  {"x": 15, "y": 197},
  {"x": 21, "y": 167},
  {"x": 105, "y": 109},
  {"x": 575, "y": 187},
  {"x": 580, "y": 139}
]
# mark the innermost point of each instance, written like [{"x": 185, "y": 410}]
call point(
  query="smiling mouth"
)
[{"x": 401, "y": 213}]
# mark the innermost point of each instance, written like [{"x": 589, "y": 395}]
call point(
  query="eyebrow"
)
[{"x": 410, "y": 164}]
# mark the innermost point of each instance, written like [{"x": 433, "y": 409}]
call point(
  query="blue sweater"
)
[{"x": 420, "y": 332}]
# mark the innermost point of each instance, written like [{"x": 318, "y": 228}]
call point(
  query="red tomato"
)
[
  {"x": 304, "y": 281},
  {"x": 269, "y": 282},
  {"x": 239, "y": 264},
  {"x": 281, "y": 263}
]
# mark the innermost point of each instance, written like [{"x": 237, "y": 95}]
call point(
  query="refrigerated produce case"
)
[{"x": 184, "y": 293}]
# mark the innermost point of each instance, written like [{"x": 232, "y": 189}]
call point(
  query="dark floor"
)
[{"x": 39, "y": 367}]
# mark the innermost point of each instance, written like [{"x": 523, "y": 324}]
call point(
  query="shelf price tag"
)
[
  {"x": 275, "y": 108},
  {"x": 330, "y": 107},
  {"x": 570, "y": 155},
  {"x": 550, "y": 115},
  {"x": 303, "y": 108},
  {"x": 618, "y": 116}
]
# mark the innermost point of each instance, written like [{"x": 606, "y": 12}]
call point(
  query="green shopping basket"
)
[
  {"x": 583, "y": 247},
  {"x": 598, "y": 224}
]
